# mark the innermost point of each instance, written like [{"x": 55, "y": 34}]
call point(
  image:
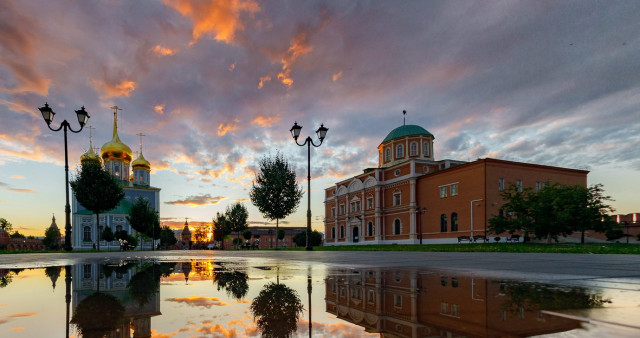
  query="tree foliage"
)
[
  {"x": 98, "y": 314},
  {"x": 17, "y": 234},
  {"x": 200, "y": 234},
  {"x": 277, "y": 309},
  {"x": 301, "y": 238},
  {"x": 232, "y": 280},
  {"x": 555, "y": 210},
  {"x": 107, "y": 234},
  {"x": 220, "y": 228},
  {"x": 51, "y": 238},
  {"x": 167, "y": 237},
  {"x": 97, "y": 190},
  {"x": 144, "y": 219},
  {"x": 6, "y": 225},
  {"x": 274, "y": 191},
  {"x": 237, "y": 215},
  {"x": 247, "y": 234}
]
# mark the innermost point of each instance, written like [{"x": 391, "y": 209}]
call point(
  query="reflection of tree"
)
[
  {"x": 233, "y": 281},
  {"x": 6, "y": 276},
  {"x": 53, "y": 272},
  {"x": 277, "y": 308},
  {"x": 533, "y": 296},
  {"x": 97, "y": 315},
  {"x": 146, "y": 283}
]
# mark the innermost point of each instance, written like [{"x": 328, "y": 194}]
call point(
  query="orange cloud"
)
[
  {"x": 22, "y": 314},
  {"x": 232, "y": 67},
  {"x": 29, "y": 79},
  {"x": 266, "y": 121},
  {"x": 225, "y": 128},
  {"x": 264, "y": 80},
  {"x": 207, "y": 302},
  {"x": 155, "y": 334},
  {"x": 159, "y": 108},
  {"x": 336, "y": 76},
  {"x": 108, "y": 90},
  {"x": 201, "y": 200},
  {"x": 298, "y": 46},
  {"x": 163, "y": 51},
  {"x": 218, "y": 19},
  {"x": 30, "y": 191},
  {"x": 219, "y": 330},
  {"x": 17, "y": 329},
  {"x": 18, "y": 177}
]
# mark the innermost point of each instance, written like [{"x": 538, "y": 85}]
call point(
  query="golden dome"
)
[
  {"x": 89, "y": 156},
  {"x": 115, "y": 149},
  {"x": 141, "y": 162}
]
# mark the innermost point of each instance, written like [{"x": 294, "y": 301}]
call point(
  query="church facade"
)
[
  {"x": 413, "y": 198},
  {"x": 135, "y": 180}
]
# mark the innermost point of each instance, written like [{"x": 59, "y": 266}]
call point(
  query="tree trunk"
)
[
  {"x": 277, "y": 234},
  {"x": 582, "y": 238},
  {"x": 98, "y": 231}
]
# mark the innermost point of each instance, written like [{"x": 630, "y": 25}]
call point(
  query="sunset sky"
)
[{"x": 216, "y": 85}]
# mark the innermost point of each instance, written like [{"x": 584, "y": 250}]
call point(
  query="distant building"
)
[
  {"x": 116, "y": 158},
  {"x": 411, "y": 195}
]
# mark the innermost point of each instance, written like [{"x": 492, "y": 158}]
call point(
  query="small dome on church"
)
[
  {"x": 406, "y": 130},
  {"x": 141, "y": 162},
  {"x": 89, "y": 156}
]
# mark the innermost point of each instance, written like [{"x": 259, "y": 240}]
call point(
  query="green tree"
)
[
  {"x": 237, "y": 242},
  {"x": 16, "y": 234},
  {"x": 107, "y": 234},
  {"x": 247, "y": 234},
  {"x": 144, "y": 219},
  {"x": 97, "y": 190},
  {"x": 220, "y": 228},
  {"x": 237, "y": 215},
  {"x": 301, "y": 238},
  {"x": 277, "y": 309},
  {"x": 98, "y": 314},
  {"x": 281, "y": 234},
  {"x": 200, "y": 235},
  {"x": 274, "y": 191},
  {"x": 590, "y": 210},
  {"x": 52, "y": 238},
  {"x": 232, "y": 280},
  {"x": 167, "y": 237},
  {"x": 6, "y": 225}
]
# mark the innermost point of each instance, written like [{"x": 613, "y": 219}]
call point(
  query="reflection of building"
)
[
  {"x": 116, "y": 157},
  {"x": 403, "y": 303},
  {"x": 137, "y": 316},
  {"x": 410, "y": 194}
]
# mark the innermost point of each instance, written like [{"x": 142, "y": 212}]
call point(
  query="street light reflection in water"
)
[{"x": 250, "y": 297}]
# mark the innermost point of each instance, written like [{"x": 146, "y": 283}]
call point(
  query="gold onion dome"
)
[
  {"x": 89, "y": 156},
  {"x": 115, "y": 149},
  {"x": 141, "y": 162}
]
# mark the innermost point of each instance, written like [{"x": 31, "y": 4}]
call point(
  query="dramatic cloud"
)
[
  {"x": 199, "y": 301},
  {"x": 205, "y": 199},
  {"x": 163, "y": 51}
]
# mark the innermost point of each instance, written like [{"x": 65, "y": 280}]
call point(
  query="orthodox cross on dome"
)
[
  {"x": 186, "y": 220},
  {"x": 115, "y": 112},
  {"x": 141, "y": 135},
  {"x": 404, "y": 117},
  {"x": 90, "y": 129}
]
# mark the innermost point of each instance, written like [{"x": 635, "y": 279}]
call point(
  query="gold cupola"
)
[
  {"x": 90, "y": 155},
  {"x": 141, "y": 163},
  {"x": 115, "y": 150}
]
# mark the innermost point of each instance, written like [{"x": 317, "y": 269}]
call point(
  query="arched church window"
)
[
  {"x": 342, "y": 231},
  {"x": 414, "y": 149},
  {"x": 443, "y": 223},
  {"x": 396, "y": 227},
  {"x": 370, "y": 229},
  {"x": 454, "y": 221},
  {"x": 86, "y": 234},
  {"x": 387, "y": 155},
  {"x": 333, "y": 232},
  {"x": 399, "y": 151},
  {"x": 426, "y": 149}
]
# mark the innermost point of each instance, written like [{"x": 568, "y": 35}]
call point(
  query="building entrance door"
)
[{"x": 355, "y": 235}]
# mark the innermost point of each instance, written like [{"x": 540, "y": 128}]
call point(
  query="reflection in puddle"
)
[{"x": 251, "y": 298}]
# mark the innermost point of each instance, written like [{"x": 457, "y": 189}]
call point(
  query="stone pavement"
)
[{"x": 530, "y": 266}]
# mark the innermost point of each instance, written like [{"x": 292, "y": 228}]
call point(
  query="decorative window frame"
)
[
  {"x": 400, "y": 151},
  {"x": 387, "y": 154},
  {"x": 397, "y": 225},
  {"x": 397, "y": 198},
  {"x": 370, "y": 228},
  {"x": 426, "y": 151},
  {"x": 369, "y": 202},
  {"x": 413, "y": 149},
  {"x": 501, "y": 184}
]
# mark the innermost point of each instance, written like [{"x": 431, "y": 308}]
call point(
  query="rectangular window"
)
[
  {"x": 454, "y": 310},
  {"x": 333, "y": 212},
  {"x": 443, "y": 191},
  {"x": 396, "y": 199},
  {"x": 341, "y": 209},
  {"x": 426, "y": 149},
  {"x": 501, "y": 184},
  {"x": 444, "y": 308},
  {"x": 371, "y": 297},
  {"x": 538, "y": 186},
  {"x": 397, "y": 301},
  {"x": 414, "y": 149},
  {"x": 519, "y": 185},
  {"x": 454, "y": 189},
  {"x": 370, "y": 203}
]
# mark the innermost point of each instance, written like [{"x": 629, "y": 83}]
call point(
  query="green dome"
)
[{"x": 406, "y": 130}]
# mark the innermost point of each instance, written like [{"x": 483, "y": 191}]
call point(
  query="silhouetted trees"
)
[
  {"x": 277, "y": 309},
  {"x": 144, "y": 219}
]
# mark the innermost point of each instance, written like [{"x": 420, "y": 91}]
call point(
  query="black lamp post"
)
[
  {"x": 321, "y": 132},
  {"x": 419, "y": 213},
  {"x": 83, "y": 117}
]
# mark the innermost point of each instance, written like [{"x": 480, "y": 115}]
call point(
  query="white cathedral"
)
[{"x": 116, "y": 157}]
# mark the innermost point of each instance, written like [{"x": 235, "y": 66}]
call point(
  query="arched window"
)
[
  {"x": 454, "y": 221},
  {"x": 333, "y": 232},
  {"x": 399, "y": 151},
  {"x": 396, "y": 227},
  {"x": 426, "y": 149},
  {"x": 443, "y": 223},
  {"x": 118, "y": 228},
  {"x": 387, "y": 155},
  {"x": 86, "y": 234},
  {"x": 414, "y": 149},
  {"x": 342, "y": 231},
  {"x": 370, "y": 229}
]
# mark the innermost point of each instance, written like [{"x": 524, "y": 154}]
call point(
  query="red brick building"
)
[{"x": 411, "y": 196}]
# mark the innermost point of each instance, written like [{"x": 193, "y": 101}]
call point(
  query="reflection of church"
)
[
  {"x": 116, "y": 157},
  {"x": 405, "y": 303},
  {"x": 87, "y": 280}
]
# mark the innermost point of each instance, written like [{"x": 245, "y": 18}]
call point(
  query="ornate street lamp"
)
[
  {"x": 321, "y": 132},
  {"x": 83, "y": 117}
]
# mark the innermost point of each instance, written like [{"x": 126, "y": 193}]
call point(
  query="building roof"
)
[
  {"x": 123, "y": 208},
  {"x": 406, "y": 130}
]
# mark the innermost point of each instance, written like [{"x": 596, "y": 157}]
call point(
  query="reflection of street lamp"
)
[
  {"x": 478, "y": 200},
  {"x": 83, "y": 117},
  {"x": 321, "y": 132},
  {"x": 419, "y": 213}
]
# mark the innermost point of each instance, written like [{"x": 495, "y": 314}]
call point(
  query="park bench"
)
[
  {"x": 513, "y": 239},
  {"x": 480, "y": 237},
  {"x": 463, "y": 239}
]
